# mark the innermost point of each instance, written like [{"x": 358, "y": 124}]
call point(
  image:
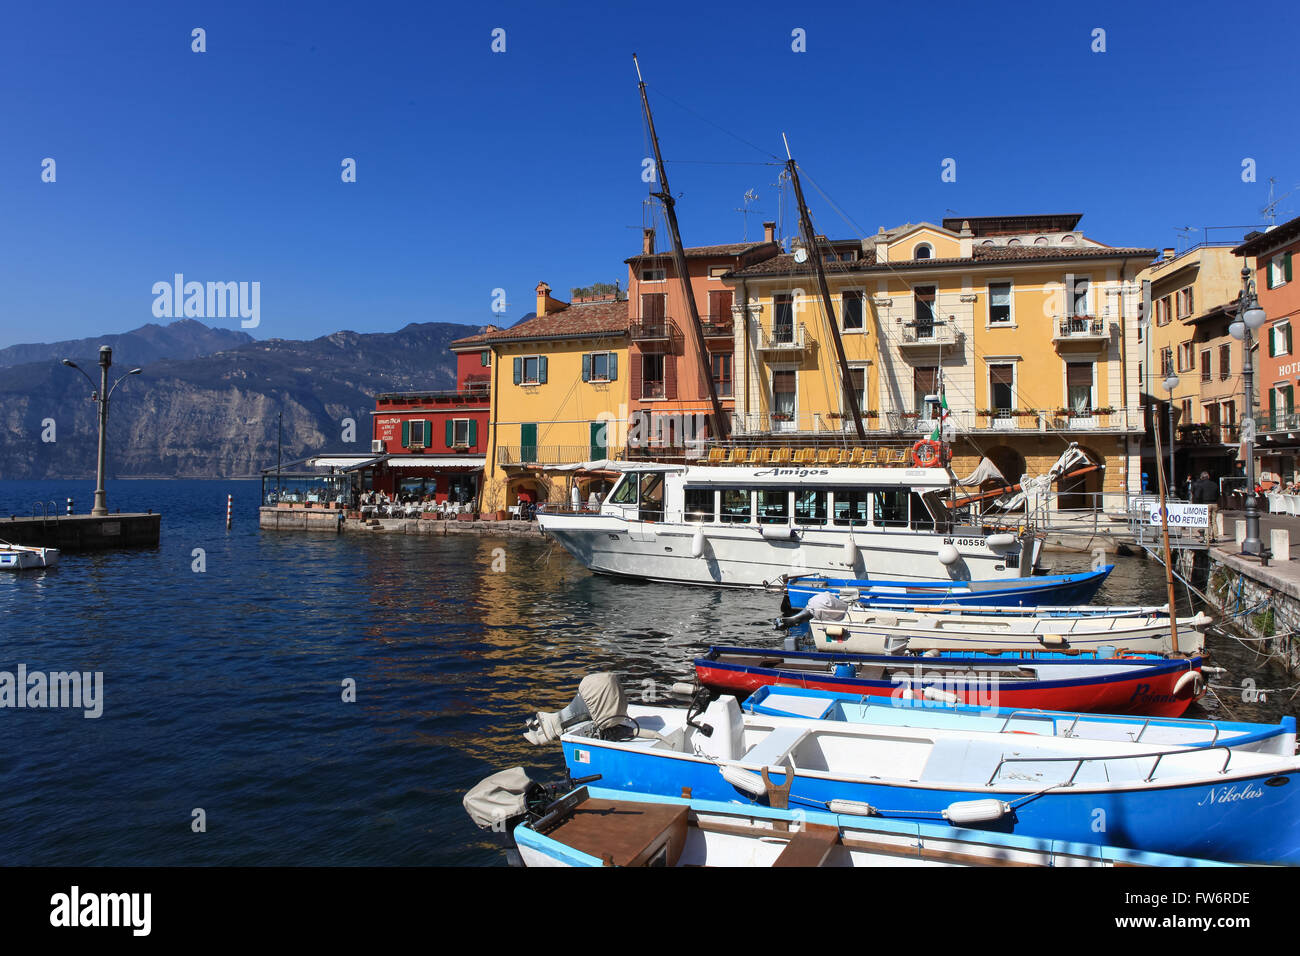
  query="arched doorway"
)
[
  {"x": 1012, "y": 465},
  {"x": 1082, "y": 492}
]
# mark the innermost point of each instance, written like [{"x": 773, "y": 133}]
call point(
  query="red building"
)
[{"x": 436, "y": 440}]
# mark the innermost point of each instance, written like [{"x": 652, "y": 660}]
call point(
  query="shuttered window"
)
[{"x": 925, "y": 381}]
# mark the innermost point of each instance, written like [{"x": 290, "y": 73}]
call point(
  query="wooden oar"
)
[{"x": 1164, "y": 530}]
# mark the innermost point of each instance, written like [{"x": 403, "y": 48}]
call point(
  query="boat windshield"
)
[{"x": 624, "y": 492}]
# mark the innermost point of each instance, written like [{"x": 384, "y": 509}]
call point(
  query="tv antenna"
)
[
  {"x": 1269, "y": 211},
  {"x": 746, "y": 212}
]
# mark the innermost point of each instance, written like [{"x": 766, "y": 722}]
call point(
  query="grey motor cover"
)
[
  {"x": 599, "y": 697},
  {"x": 827, "y": 607},
  {"x": 495, "y": 799}
]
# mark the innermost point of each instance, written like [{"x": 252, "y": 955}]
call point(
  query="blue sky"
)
[{"x": 479, "y": 170}]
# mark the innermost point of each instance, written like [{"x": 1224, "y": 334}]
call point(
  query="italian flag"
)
[{"x": 937, "y": 434}]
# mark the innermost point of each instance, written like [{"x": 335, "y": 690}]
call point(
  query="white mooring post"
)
[
  {"x": 228, "y": 501},
  {"x": 1280, "y": 544},
  {"x": 69, "y": 506},
  {"x": 1239, "y": 534}
]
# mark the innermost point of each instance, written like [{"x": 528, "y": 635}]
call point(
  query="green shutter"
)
[
  {"x": 483, "y": 358},
  {"x": 451, "y": 433},
  {"x": 406, "y": 434},
  {"x": 1288, "y": 340},
  {"x": 1272, "y": 337},
  {"x": 541, "y": 369},
  {"x": 1286, "y": 267},
  {"x": 519, "y": 369},
  {"x": 473, "y": 433},
  {"x": 586, "y": 367},
  {"x": 613, "y": 367},
  {"x": 1268, "y": 274},
  {"x": 1069, "y": 295}
]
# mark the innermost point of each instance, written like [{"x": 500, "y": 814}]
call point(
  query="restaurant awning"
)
[
  {"x": 346, "y": 462},
  {"x": 436, "y": 461}
]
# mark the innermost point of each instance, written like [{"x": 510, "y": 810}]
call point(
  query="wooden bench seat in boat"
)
[
  {"x": 809, "y": 846},
  {"x": 626, "y": 833}
]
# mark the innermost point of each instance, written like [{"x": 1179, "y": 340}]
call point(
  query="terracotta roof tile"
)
[{"x": 590, "y": 319}]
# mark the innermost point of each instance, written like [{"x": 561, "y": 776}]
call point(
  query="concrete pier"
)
[{"x": 84, "y": 532}]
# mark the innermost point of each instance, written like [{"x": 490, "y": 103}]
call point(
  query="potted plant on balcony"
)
[{"x": 782, "y": 417}]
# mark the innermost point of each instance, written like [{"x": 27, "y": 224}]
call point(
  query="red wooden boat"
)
[{"x": 1145, "y": 684}]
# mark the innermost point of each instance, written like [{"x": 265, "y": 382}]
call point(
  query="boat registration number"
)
[{"x": 965, "y": 542}]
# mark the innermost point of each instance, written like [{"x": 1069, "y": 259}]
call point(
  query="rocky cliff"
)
[{"x": 215, "y": 416}]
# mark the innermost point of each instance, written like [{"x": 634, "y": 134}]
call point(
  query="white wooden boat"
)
[
  {"x": 593, "y": 827},
  {"x": 17, "y": 557},
  {"x": 746, "y": 526},
  {"x": 863, "y": 630}
]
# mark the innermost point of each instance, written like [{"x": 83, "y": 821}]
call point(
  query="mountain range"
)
[{"x": 212, "y": 414}]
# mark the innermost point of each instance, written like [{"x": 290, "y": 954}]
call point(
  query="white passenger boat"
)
[
  {"x": 17, "y": 557},
  {"x": 745, "y": 526},
  {"x": 863, "y": 630}
]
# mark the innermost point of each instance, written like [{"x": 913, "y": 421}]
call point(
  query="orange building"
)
[
  {"x": 669, "y": 403},
  {"x": 1277, "y": 368}
]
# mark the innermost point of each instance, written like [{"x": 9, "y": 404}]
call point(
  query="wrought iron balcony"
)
[
  {"x": 783, "y": 338},
  {"x": 1081, "y": 328}
]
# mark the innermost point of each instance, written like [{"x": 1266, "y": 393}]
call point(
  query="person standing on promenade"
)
[{"x": 1206, "y": 492}]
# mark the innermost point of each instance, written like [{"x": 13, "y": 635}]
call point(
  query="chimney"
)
[
  {"x": 966, "y": 240},
  {"x": 648, "y": 242},
  {"x": 545, "y": 304},
  {"x": 1169, "y": 254},
  {"x": 769, "y": 232}
]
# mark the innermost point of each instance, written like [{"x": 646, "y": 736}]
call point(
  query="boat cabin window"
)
[
  {"x": 809, "y": 506},
  {"x": 934, "y": 503},
  {"x": 734, "y": 506},
  {"x": 698, "y": 504},
  {"x": 891, "y": 507},
  {"x": 625, "y": 492},
  {"x": 922, "y": 520},
  {"x": 773, "y": 506},
  {"x": 851, "y": 506}
]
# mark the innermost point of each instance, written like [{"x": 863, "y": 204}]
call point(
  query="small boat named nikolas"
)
[
  {"x": 17, "y": 557},
  {"x": 1279, "y": 738},
  {"x": 599, "y": 827},
  {"x": 865, "y": 630},
  {"x": 1211, "y": 801},
  {"x": 1052, "y": 589},
  {"x": 1085, "y": 681}
]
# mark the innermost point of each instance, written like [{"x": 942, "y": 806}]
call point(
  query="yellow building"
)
[
  {"x": 1186, "y": 338},
  {"x": 1024, "y": 322},
  {"x": 559, "y": 396}
]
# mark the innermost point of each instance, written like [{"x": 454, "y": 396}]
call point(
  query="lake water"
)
[{"x": 222, "y": 688}]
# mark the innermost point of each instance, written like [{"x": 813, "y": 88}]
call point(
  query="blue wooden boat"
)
[
  {"x": 898, "y": 711},
  {"x": 1210, "y": 802},
  {"x": 1049, "y": 589},
  {"x": 593, "y": 827}
]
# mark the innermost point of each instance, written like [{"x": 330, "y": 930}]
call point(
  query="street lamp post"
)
[
  {"x": 1171, "y": 383},
  {"x": 1250, "y": 318},
  {"x": 101, "y": 397}
]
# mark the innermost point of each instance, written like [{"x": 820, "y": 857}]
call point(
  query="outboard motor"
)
[
  {"x": 501, "y": 802},
  {"x": 600, "y": 700},
  {"x": 823, "y": 606}
]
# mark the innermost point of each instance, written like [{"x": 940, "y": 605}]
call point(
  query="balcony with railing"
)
[
  {"x": 653, "y": 328},
  {"x": 718, "y": 326},
  {"x": 929, "y": 334},
  {"x": 521, "y": 455},
  {"x": 783, "y": 338},
  {"x": 1081, "y": 328},
  {"x": 1279, "y": 421}
]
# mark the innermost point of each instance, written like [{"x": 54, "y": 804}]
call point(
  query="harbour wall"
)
[
  {"x": 335, "y": 522},
  {"x": 84, "y": 532},
  {"x": 1262, "y": 604}
]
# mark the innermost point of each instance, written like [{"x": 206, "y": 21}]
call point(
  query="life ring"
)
[
  {"x": 1190, "y": 686},
  {"x": 927, "y": 453}
]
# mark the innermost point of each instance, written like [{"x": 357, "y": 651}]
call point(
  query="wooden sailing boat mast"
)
[
  {"x": 665, "y": 196},
  {"x": 1164, "y": 528},
  {"x": 850, "y": 397}
]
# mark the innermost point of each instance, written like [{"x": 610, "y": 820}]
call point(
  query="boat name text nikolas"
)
[{"x": 1231, "y": 794}]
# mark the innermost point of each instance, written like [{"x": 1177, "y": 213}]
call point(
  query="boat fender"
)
[
  {"x": 778, "y": 532},
  {"x": 682, "y": 689},
  {"x": 1052, "y": 640},
  {"x": 841, "y": 669},
  {"x": 1190, "y": 686},
  {"x": 744, "y": 781},
  {"x": 948, "y": 555},
  {"x": 1000, "y": 542},
  {"x": 965, "y": 812},
  {"x": 854, "y": 807},
  {"x": 835, "y": 633},
  {"x": 934, "y": 693},
  {"x": 697, "y": 543},
  {"x": 850, "y": 551},
  {"x": 848, "y": 594},
  {"x": 932, "y": 652}
]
